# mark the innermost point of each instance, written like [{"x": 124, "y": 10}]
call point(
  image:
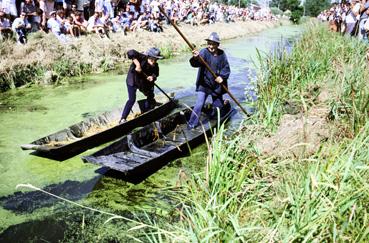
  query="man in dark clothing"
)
[
  {"x": 206, "y": 84},
  {"x": 142, "y": 74}
]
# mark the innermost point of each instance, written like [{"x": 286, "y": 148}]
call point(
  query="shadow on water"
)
[
  {"x": 46, "y": 230},
  {"x": 27, "y": 202}
]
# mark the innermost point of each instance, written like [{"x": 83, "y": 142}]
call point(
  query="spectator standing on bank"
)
[
  {"x": 351, "y": 18},
  {"x": 363, "y": 19},
  {"x": 29, "y": 8},
  {"x": 99, "y": 6},
  {"x": 10, "y": 8},
  {"x": 46, "y": 6}
]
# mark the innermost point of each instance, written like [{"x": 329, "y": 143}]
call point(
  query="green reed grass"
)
[
  {"x": 320, "y": 60},
  {"x": 244, "y": 196}
]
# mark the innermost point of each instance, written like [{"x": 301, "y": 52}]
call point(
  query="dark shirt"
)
[
  {"x": 219, "y": 64},
  {"x": 28, "y": 8},
  {"x": 138, "y": 79}
]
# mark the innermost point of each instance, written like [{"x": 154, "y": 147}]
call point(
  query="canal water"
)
[{"x": 30, "y": 113}]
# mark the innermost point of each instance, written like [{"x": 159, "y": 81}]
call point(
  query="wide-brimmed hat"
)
[
  {"x": 154, "y": 52},
  {"x": 214, "y": 37},
  {"x": 52, "y": 12}
]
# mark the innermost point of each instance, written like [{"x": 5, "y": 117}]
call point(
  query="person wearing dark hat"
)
[
  {"x": 142, "y": 74},
  {"x": 206, "y": 84}
]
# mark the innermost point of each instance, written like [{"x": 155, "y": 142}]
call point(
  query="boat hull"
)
[
  {"x": 78, "y": 145},
  {"x": 141, "y": 153}
]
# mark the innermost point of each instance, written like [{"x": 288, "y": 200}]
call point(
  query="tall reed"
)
[
  {"x": 245, "y": 196},
  {"x": 323, "y": 198},
  {"x": 320, "y": 60}
]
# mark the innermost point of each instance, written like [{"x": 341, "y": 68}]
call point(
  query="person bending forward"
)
[{"x": 142, "y": 74}]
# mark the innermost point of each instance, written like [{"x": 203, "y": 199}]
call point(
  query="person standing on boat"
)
[
  {"x": 142, "y": 74},
  {"x": 206, "y": 84}
]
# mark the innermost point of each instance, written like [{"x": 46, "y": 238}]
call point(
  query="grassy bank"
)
[
  {"x": 317, "y": 194},
  {"x": 46, "y": 61}
]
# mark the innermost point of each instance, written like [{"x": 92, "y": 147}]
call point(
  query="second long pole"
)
[{"x": 202, "y": 60}]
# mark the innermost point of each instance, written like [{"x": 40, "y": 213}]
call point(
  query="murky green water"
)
[{"x": 27, "y": 114}]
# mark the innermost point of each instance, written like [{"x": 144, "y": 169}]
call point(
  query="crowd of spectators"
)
[
  {"x": 73, "y": 18},
  {"x": 349, "y": 18}
]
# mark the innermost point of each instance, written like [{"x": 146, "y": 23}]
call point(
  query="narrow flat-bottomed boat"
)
[
  {"x": 97, "y": 130},
  {"x": 147, "y": 149}
]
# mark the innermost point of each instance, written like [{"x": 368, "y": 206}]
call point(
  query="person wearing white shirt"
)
[
  {"x": 96, "y": 25},
  {"x": 9, "y": 7},
  {"x": 20, "y": 27},
  {"x": 56, "y": 27},
  {"x": 351, "y": 18},
  {"x": 53, "y": 24},
  {"x": 5, "y": 27}
]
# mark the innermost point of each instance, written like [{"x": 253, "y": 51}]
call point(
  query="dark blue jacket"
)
[
  {"x": 219, "y": 64},
  {"x": 138, "y": 79}
]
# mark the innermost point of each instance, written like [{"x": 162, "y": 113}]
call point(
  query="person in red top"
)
[{"x": 142, "y": 74}]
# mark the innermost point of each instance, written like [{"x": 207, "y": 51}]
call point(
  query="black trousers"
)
[{"x": 148, "y": 105}]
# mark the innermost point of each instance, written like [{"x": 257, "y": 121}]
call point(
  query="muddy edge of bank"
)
[{"x": 43, "y": 60}]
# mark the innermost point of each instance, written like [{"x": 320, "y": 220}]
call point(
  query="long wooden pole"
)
[
  {"x": 202, "y": 60},
  {"x": 157, "y": 86}
]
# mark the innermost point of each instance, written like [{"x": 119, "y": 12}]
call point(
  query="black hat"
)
[{"x": 154, "y": 52}]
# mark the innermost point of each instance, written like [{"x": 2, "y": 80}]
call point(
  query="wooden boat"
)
[
  {"x": 97, "y": 130},
  {"x": 147, "y": 149}
]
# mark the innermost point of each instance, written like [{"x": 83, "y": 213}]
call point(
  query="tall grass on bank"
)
[
  {"x": 320, "y": 60},
  {"x": 241, "y": 197},
  {"x": 245, "y": 196}
]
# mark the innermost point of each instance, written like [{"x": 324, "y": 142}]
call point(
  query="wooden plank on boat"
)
[{"x": 149, "y": 148}]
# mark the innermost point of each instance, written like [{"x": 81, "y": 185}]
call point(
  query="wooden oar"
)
[{"x": 202, "y": 60}]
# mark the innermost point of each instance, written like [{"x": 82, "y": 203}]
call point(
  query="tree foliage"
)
[
  {"x": 314, "y": 7},
  {"x": 241, "y": 3},
  {"x": 276, "y": 11},
  {"x": 293, "y": 5}
]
